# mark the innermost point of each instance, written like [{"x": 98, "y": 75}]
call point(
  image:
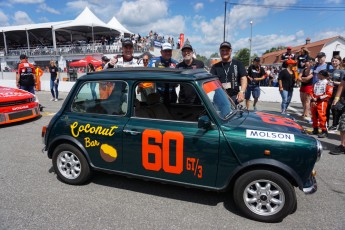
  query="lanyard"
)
[{"x": 226, "y": 72}]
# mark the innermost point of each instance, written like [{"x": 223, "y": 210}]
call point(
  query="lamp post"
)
[{"x": 250, "y": 42}]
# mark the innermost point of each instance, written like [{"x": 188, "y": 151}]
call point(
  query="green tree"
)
[
  {"x": 202, "y": 58},
  {"x": 243, "y": 56},
  {"x": 214, "y": 55}
]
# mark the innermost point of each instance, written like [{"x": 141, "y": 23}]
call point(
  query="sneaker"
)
[
  {"x": 338, "y": 150},
  {"x": 315, "y": 131},
  {"x": 255, "y": 108},
  {"x": 323, "y": 134},
  {"x": 332, "y": 128},
  {"x": 55, "y": 99},
  {"x": 307, "y": 118}
]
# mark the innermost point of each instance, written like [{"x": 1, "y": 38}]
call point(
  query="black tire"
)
[
  {"x": 271, "y": 200},
  {"x": 70, "y": 164}
]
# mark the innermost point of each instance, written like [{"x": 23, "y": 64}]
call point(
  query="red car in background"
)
[{"x": 17, "y": 105}]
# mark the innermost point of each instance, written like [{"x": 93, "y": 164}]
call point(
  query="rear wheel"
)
[
  {"x": 264, "y": 196},
  {"x": 70, "y": 164}
]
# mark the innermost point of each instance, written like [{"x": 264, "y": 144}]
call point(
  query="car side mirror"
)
[{"x": 204, "y": 122}]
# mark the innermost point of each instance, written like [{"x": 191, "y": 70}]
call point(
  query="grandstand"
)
[{"x": 65, "y": 41}]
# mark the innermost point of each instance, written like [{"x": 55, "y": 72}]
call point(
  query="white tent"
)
[
  {"x": 115, "y": 24},
  {"x": 85, "y": 18},
  {"x": 86, "y": 23}
]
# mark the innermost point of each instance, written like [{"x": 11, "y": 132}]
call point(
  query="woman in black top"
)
[
  {"x": 306, "y": 90},
  {"x": 54, "y": 81},
  {"x": 286, "y": 80}
]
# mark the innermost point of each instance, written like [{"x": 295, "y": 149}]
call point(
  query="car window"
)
[
  {"x": 218, "y": 98},
  {"x": 102, "y": 97},
  {"x": 167, "y": 101}
]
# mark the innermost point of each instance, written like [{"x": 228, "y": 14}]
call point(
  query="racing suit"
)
[
  {"x": 167, "y": 91},
  {"x": 321, "y": 93}
]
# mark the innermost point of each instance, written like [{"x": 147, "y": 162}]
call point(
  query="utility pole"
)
[
  {"x": 250, "y": 43},
  {"x": 225, "y": 2}
]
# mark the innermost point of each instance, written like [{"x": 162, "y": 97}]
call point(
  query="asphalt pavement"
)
[{"x": 31, "y": 196}]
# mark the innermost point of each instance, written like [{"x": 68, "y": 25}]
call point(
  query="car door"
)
[
  {"x": 96, "y": 119},
  {"x": 156, "y": 145}
]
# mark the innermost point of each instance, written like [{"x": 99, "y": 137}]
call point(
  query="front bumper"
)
[{"x": 311, "y": 186}]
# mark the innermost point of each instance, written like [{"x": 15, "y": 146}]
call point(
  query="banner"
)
[{"x": 181, "y": 40}]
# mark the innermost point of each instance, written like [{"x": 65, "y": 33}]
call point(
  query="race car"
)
[{"x": 17, "y": 105}]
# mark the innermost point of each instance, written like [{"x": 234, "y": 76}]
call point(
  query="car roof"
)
[{"x": 142, "y": 73}]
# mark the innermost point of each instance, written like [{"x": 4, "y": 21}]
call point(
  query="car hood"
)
[
  {"x": 8, "y": 94},
  {"x": 267, "y": 122}
]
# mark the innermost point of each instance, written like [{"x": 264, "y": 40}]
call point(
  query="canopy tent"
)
[
  {"x": 85, "y": 61},
  {"x": 115, "y": 24},
  {"x": 84, "y": 27},
  {"x": 86, "y": 23}
]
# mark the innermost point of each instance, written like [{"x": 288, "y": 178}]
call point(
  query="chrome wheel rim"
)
[
  {"x": 264, "y": 197},
  {"x": 69, "y": 165}
]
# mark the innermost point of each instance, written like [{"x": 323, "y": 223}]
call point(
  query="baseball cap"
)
[
  {"x": 324, "y": 73},
  {"x": 291, "y": 62},
  {"x": 23, "y": 56},
  {"x": 105, "y": 58},
  {"x": 256, "y": 59},
  {"x": 166, "y": 46},
  {"x": 320, "y": 55},
  {"x": 127, "y": 42},
  {"x": 225, "y": 44},
  {"x": 187, "y": 46},
  {"x": 289, "y": 48}
]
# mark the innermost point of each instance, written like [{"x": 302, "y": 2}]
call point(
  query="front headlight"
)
[{"x": 319, "y": 150}]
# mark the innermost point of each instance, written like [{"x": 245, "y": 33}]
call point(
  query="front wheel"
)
[
  {"x": 264, "y": 196},
  {"x": 70, "y": 164}
]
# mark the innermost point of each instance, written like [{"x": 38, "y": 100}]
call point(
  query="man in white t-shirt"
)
[{"x": 127, "y": 59}]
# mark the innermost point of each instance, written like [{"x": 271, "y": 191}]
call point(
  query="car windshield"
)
[{"x": 219, "y": 99}]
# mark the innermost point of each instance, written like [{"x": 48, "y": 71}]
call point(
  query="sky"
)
[{"x": 269, "y": 23}]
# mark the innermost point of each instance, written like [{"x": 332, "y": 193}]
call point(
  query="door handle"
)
[{"x": 132, "y": 132}]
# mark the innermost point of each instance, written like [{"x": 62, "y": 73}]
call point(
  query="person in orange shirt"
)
[
  {"x": 38, "y": 73},
  {"x": 145, "y": 88},
  {"x": 105, "y": 88}
]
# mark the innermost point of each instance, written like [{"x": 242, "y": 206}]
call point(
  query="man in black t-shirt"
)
[
  {"x": 187, "y": 94},
  {"x": 231, "y": 73},
  {"x": 256, "y": 73},
  {"x": 287, "y": 56}
]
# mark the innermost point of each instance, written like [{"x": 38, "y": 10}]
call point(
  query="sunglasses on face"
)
[{"x": 145, "y": 59}]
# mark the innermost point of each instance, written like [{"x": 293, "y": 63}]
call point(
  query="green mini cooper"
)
[{"x": 179, "y": 126}]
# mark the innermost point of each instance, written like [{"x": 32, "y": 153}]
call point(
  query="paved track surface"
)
[{"x": 31, "y": 197}]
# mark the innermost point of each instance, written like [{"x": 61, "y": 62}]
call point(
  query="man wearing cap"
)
[
  {"x": 127, "y": 59},
  {"x": 25, "y": 76},
  {"x": 231, "y": 73},
  {"x": 188, "y": 61},
  {"x": 287, "y": 56},
  {"x": 320, "y": 65},
  {"x": 256, "y": 73},
  {"x": 187, "y": 94},
  {"x": 165, "y": 60},
  {"x": 167, "y": 91}
]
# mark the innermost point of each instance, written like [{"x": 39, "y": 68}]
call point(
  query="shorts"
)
[
  {"x": 306, "y": 89},
  {"x": 253, "y": 90},
  {"x": 341, "y": 126}
]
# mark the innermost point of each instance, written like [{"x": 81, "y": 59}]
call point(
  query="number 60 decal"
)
[{"x": 161, "y": 156}]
